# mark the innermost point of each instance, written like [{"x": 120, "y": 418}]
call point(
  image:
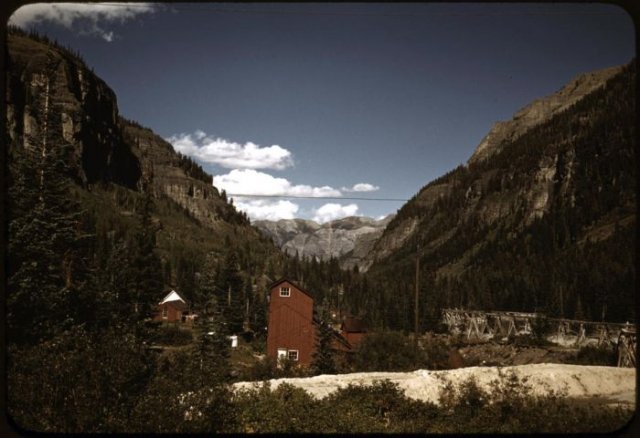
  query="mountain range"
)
[
  {"x": 541, "y": 217},
  {"x": 348, "y": 239}
]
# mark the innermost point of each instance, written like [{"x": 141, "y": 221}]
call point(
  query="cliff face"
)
[
  {"x": 348, "y": 239},
  {"x": 539, "y": 111},
  {"x": 53, "y": 97},
  {"x": 48, "y": 83},
  {"x": 161, "y": 165}
]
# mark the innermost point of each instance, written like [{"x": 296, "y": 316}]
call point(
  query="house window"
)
[
  {"x": 285, "y": 292},
  {"x": 165, "y": 311},
  {"x": 293, "y": 355}
]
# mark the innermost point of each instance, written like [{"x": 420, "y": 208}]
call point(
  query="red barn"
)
[
  {"x": 291, "y": 330},
  {"x": 171, "y": 308},
  {"x": 353, "y": 330}
]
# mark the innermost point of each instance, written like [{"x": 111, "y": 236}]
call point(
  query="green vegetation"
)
[
  {"x": 594, "y": 355},
  {"x": 575, "y": 261},
  {"x": 172, "y": 335},
  {"x": 87, "y": 262},
  {"x": 509, "y": 406}
]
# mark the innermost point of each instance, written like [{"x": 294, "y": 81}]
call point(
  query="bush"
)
[
  {"x": 507, "y": 406},
  {"x": 172, "y": 335},
  {"x": 286, "y": 409},
  {"x": 592, "y": 355},
  {"x": 388, "y": 351}
]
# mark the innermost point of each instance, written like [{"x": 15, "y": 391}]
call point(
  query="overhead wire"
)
[{"x": 349, "y": 198}]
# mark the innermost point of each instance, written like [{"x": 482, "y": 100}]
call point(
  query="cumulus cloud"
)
[
  {"x": 361, "y": 187},
  {"x": 252, "y": 182},
  {"x": 230, "y": 154},
  {"x": 332, "y": 211},
  {"x": 267, "y": 209},
  {"x": 86, "y": 18}
]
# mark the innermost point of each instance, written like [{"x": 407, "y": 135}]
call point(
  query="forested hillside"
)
[
  {"x": 546, "y": 223},
  {"x": 104, "y": 218}
]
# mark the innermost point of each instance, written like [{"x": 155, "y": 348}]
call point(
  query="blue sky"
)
[{"x": 332, "y": 100}]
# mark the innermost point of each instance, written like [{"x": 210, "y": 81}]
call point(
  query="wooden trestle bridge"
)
[{"x": 481, "y": 325}]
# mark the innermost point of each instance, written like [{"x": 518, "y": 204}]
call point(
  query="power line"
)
[{"x": 349, "y": 198}]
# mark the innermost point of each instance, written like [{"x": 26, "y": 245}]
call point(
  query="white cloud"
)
[
  {"x": 331, "y": 211},
  {"x": 268, "y": 209},
  {"x": 86, "y": 18},
  {"x": 252, "y": 182},
  {"x": 230, "y": 154},
  {"x": 361, "y": 187}
]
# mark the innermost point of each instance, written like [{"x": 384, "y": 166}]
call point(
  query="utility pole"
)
[{"x": 417, "y": 294}]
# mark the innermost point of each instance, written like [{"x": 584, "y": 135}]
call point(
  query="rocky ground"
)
[{"x": 492, "y": 354}]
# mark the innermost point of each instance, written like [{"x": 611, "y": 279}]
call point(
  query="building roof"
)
[
  {"x": 336, "y": 335},
  {"x": 283, "y": 279},
  {"x": 352, "y": 324},
  {"x": 172, "y": 296}
]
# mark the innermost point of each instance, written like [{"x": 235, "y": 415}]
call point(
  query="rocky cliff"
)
[
  {"x": 348, "y": 239},
  {"x": 52, "y": 96},
  {"x": 45, "y": 82},
  {"x": 539, "y": 111}
]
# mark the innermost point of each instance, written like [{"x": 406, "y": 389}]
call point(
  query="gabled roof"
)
[
  {"x": 283, "y": 279},
  {"x": 172, "y": 296}
]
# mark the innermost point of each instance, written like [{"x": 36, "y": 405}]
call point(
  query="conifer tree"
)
[
  {"x": 230, "y": 289},
  {"x": 323, "y": 356},
  {"x": 145, "y": 279},
  {"x": 213, "y": 345},
  {"x": 47, "y": 248}
]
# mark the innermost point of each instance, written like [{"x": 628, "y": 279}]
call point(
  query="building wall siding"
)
[
  {"x": 291, "y": 323},
  {"x": 173, "y": 313},
  {"x": 354, "y": 338}
]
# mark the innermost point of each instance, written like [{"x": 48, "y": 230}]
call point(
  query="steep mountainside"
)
[
  {"x": 54, "y": 98},
  {"x": 541, "y": 218},
  {"x": 348, "y": 239},
  {"x": 539, "y": 111}
]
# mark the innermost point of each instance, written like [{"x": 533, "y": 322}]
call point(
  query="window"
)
[
  {"x": 285, "y": 292},
  {"x": 292, "y": 355},
  {"x": 165, "y": 311}
]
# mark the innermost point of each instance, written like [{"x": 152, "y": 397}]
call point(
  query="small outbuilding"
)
[
  {"x": 353, "y": 330},
  {"x": 173, "y": 308}
]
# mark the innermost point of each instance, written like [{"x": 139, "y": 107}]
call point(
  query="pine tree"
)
[
  {"x": 48, "y": 245},
  {"x": 323, "y": 356},
  {"x": 145, "y": 279},
  {"x": 213, "y": 346},
  {"x": 230, "y": 289}
]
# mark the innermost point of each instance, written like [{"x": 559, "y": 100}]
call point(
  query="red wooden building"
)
[
  {"x": 353, "y": 330},
  {"x": 292, "y": 331},
  {"x": 172, "y": 308}
]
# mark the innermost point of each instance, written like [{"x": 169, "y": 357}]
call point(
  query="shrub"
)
[
  {"x": 388, "y": 351},
  {"x": 508, "y": 405},
  {"x": 286, "y": 409},
  {"x": 592, "y": 355},
  {"x": 172, "y": 335}
]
